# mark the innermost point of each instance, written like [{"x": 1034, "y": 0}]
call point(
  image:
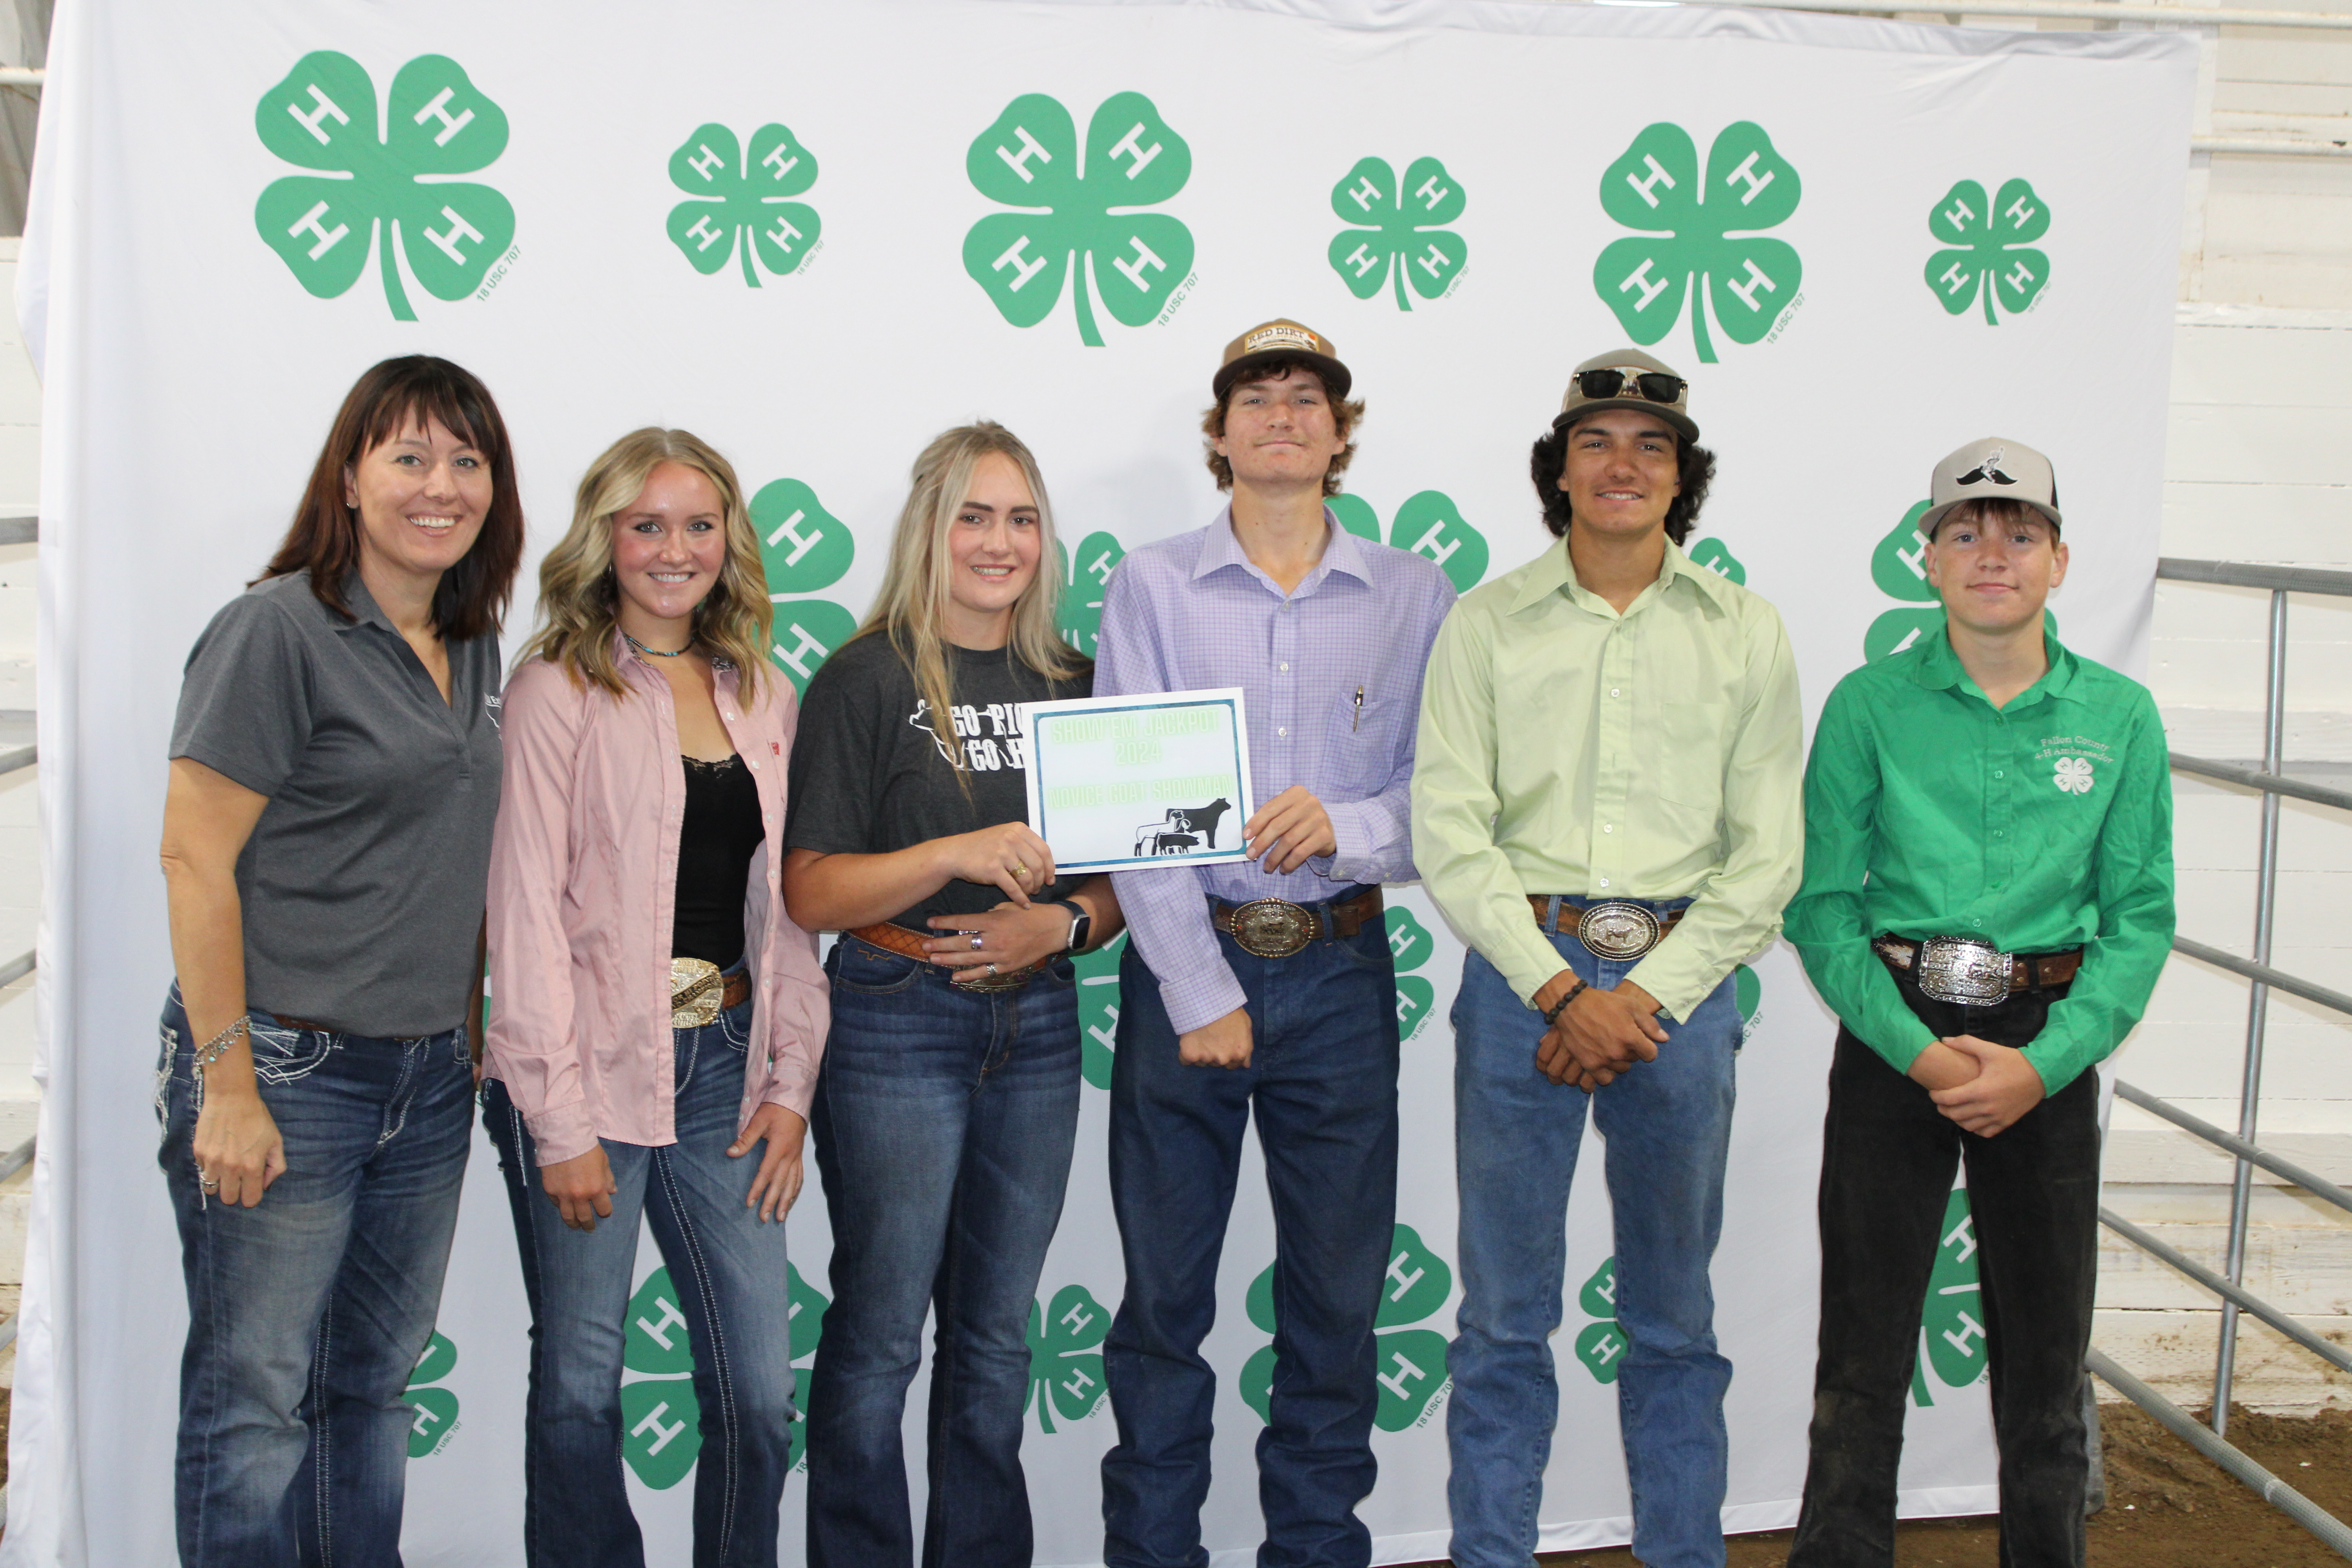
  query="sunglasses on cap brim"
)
[{"x": 1650, "y": 386}]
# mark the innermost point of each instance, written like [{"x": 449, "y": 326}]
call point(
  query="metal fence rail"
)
[{"x": 2229, "y": 1283}]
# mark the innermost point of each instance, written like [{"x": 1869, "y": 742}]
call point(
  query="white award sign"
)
[{"x": 1121, "y": 784}]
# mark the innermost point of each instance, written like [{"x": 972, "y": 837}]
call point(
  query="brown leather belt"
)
[
  {"x": 1276, "y": 928},
  {"x": 898, "y": 939},
  {"x": 1609, "y": 928},
  {"x": 1973, "y": 973}
]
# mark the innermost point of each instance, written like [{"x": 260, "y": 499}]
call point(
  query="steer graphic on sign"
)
[{"x": 1183, "y": 830}]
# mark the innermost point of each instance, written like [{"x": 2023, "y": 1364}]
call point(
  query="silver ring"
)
[
  {"x": 991, "y": 968},
  {"x": 976, "y": 940}
]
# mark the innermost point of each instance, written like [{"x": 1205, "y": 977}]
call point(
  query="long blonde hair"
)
[
  {"x": 914, "y": 585},
  {"x": 579, "y": 601}
]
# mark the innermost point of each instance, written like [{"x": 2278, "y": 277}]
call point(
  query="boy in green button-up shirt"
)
[{"x": 1987, "y": 901}]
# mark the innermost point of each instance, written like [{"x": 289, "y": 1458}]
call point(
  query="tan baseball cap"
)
[
  {"x": 1994, "y": 469},
  {"x": 1642, "y": 382},
  {"x": 1281, "y": 336}
]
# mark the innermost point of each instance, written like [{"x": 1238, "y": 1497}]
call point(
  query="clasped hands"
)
[
  {"x": 1599, "y": 1036},
  {"x": 1983, "y": 1087}
]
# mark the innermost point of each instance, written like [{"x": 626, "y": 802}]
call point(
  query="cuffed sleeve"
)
[
  {"x": 2136, "y": 916},
  {"x": 1826, "y": 921},
  {"x": 532, "y": 1047},
  {"x": 1455, "y": 805},
  {"x": 1737, "y": 910}
]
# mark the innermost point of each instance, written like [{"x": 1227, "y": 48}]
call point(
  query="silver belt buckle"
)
[
  {"x": 1963, "y": 971},
  {"x": 1617, "y": 930},
  {"x": 696, "y": 987},
  {"x": 1273, "y": 928}
]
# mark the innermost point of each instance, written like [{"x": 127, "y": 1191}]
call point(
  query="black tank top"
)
[{"x": 715, "y": 844}]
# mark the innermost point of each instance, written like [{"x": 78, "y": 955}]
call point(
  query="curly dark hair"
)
[
  {"x": 1281, "y": 367},
  {"x": 1693, "y": 470}
]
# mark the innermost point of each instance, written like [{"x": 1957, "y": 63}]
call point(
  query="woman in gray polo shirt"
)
[{"x": 334, "y": 778}]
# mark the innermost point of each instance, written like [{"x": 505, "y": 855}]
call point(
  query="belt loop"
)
[{"x": 1551, "y": 916}]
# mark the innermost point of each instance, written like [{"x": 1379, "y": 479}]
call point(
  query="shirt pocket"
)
[
  {"x": 1689, "y": 775},
  {"x": 1360, "y": 745}
]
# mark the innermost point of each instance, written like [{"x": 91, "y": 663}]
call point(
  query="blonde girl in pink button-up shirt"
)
[{"x": 656, "y": 1018}]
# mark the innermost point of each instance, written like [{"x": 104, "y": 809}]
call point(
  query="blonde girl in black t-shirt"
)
[{"x": 947, "y": 1106}]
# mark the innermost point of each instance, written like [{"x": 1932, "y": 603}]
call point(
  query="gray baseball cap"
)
[
  {"x": 1994, "y": 469},
  {"x": 1636, "y": 376}
]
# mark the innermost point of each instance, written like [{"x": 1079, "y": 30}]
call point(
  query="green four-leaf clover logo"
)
[
  {"x": 807, "y": 1305},
  {"x": 1899, "y": 567},
  {"x": 1099, "y": 1010},
  {"x": 1717, "y": 558},
  {"x": 1065, "y": 1363},
  {"x": 802, "y": 548},
  {"x": 1079, "y": 615},
  {"x": 1410, "y": 946},
  {"x": 1407, "y": 240},
  {"x": 742, "y": 201},
  {"x": 396, "y": 191},
  {"x": 1992, "y": 258},
  {"x": 661, "y": 1420},
  {"x": 1429, "y": 524},
  {"x": 1409, "y": 1362},
  {"x": 1699, "y": 229},
  {"x": 1601, "y": 1346},
  {"x": 1952, "y": 1326},
  {"x": 433, "y": 1420},
  {"x": 1077, "y": 216}
]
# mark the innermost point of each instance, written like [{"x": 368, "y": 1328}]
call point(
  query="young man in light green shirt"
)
[
  {"x": 1987, "y": 901},
  {"x": 1605, "y": 806}
]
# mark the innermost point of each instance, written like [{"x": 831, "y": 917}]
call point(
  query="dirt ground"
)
[{"x": 2168, "y": 1505}]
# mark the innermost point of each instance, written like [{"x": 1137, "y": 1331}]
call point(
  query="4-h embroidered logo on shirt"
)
[{"x": 2073, "y": 776}]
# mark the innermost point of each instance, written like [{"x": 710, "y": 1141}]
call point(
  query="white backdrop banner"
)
[{"x": 817, "y": 235}]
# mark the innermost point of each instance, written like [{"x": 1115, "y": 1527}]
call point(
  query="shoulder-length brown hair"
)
[
  {"x": 580, "y": 603},
  {"x": 392, "y": 396}
]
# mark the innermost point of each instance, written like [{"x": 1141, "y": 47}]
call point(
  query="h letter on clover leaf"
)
[
  {"x": 741, "y": 202},
  {"x": 1075, "y": 222},
  {"x": 1401, "y": 237},
  {"x": 1993, "y": 259},
  {"x": 1699, "y": 227},
  {"x": 372, "y": 190}
]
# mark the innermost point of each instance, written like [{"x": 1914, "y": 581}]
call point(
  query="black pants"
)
[{"x": 1887, "y": 1160}]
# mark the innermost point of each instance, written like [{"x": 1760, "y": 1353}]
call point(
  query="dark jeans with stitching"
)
[
  {"x": 1321, "y": 1085},
  {"x": 944, "y": 1123},
  {"x": 728, "y": 1270},
  {"x": 306, "y": 1312},
  {"x": 1888, "y": 1157}
]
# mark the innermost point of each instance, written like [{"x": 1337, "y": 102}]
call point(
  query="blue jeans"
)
[
  {"x": 1668, "y": 1128},
  {"x": 729, "y": 1269},
  {"x": 308, "y": 1312},
  {"x": 944, "y": 1123},
  {"x": 1322, "y": 1080}
]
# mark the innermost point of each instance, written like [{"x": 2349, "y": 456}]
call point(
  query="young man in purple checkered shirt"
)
[{"x": 1265, "y": 985}]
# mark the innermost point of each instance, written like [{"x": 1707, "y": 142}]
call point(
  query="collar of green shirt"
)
[
  {"x": 1550, "y": 572},
  {"x": 1938, "y": 669}
]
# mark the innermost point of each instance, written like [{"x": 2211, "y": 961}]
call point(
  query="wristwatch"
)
[{"x": 1082, "y": 924}]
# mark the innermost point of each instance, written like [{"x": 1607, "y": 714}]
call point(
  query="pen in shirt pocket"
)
[{"x": 1356, "y": 721}]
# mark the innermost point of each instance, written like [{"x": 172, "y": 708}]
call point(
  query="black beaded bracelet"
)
[{"x": 1551, "y": 1014}]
